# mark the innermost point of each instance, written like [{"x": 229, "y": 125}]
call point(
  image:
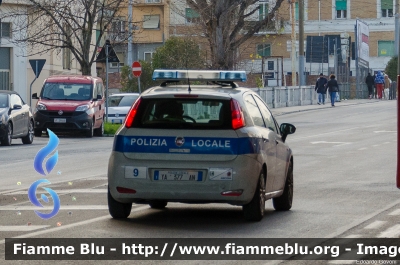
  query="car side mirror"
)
[
  {"x": 34, "y": 96},
  {"x": 17, "y": 106},
  {"x": 286, "y": 129}
]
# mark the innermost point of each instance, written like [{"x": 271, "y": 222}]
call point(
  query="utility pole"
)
[
  {"x": 301, "y": 43},
  {"x": 293, "y": 18},
  {"x": 130, "y": 28}
]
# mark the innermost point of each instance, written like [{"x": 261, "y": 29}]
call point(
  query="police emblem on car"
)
[
  {"x": 179, "y": 141},
  {"x": 229, "y": 148},
  {"x": 60, "y": 112}
]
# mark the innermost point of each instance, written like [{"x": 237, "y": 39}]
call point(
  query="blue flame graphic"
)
[
  {"x": 45, "y": 151},
  {"x": 34, "y": 200}
]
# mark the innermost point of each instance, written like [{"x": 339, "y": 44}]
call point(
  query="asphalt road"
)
[{"x": 344, "y": 179}]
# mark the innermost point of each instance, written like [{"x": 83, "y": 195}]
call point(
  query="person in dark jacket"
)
[
  {"x": 320, "y": 88},
  {"x": 333, "y": 88},
  {"x": 369, "y": 80}
]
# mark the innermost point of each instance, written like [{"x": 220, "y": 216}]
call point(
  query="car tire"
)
[
  {"x": 100, "y": 131},
  {"x": 118, "y": 210},
  {"x": 284, "y": 202},
  {"x": 38, "y": 132},
  {"x": 158, "y": 204},
  {"x": 90, "y": 132},
  {"x": 8, "y": 138},
  {"x": 254, "y": 211},
  {"x": 28, "y": 139}
]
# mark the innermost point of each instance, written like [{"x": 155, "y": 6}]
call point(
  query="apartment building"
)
[
  {"x": 332, "y": 20},
  {"x": 150, "y": 24},
  {"x": 15, "y": 70}
]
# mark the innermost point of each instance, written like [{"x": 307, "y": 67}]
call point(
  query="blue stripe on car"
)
[{"x": 191, "y": 145}]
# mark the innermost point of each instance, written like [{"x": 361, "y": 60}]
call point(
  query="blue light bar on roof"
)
[{"x": 200, "y": 75}]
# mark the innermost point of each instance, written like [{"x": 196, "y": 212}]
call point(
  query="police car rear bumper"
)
[{"x": 243, "y": 181}]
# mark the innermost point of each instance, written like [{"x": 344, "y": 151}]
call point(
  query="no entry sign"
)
[{"x": 136, "y": 69}]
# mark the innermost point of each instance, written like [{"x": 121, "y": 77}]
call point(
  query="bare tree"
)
[
  {"x": 227, "y": 25},
  {"x": 63, "y": 25}
]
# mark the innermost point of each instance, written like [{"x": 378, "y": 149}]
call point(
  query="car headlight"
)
[
  {"x": 40, "y": 106},
  {"x": 82, "y": 108}
]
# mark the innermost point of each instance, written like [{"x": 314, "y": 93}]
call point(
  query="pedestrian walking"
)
[
  {"x": 333, "y": 88},
  {"x": 320, "y": 88},
  {"x": 388, "y": 82},
  {"x": 369, "y": 80},
  {"x": 379, "y": 83}
]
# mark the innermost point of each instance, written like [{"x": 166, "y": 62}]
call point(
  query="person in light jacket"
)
[{"x": 333, "y": 88}]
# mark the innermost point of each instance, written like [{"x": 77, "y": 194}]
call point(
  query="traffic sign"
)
[
  {"x": 37, "y": 66},
  {"x": 136, "y": 69}
]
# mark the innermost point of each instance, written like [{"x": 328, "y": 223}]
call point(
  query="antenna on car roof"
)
[{"x": 187, "y": 71}]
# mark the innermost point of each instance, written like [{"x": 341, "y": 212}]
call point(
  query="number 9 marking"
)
[{"x": 135, "y": 172}]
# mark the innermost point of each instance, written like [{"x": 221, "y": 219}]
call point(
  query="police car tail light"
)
[
  {"x": 237, "y": 115},
  {"x": 132, "y": 113}
]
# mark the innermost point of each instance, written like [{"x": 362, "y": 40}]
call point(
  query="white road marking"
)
[
  {"x": 21, "y": 228},
  {"x": 67, "y": 191},
  {"x": 325, "y": 142},
  {"x": 375, "y": 225},
  {"x": 62, "y": 181},
  {"x": 58, "y": 228},
  {"x": 315, "y": 135},
  {"x": 62, "y": 207},
  {"x": 395, "y": 212},
  {"x": 363, "y": 148},
  {"x": 375, "y": 145},
  {"x": 391, "y": 232},
  {"x": 386, "y": 143},
  {"x": 385, "y": 131}
]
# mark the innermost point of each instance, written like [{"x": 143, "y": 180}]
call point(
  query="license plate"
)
[
  {"x": 58, "y": 120},
  {"x": 117, "y": 121},
  {"x": 179, "y": 175}
]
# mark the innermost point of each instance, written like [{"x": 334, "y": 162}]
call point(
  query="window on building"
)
[
  {"x": 118, "y": 29},
  {"x": 5, "y": 30},
  {"x": 263, "y": 11},
  {"x": 264, "y": 49},
  {"x": 152, "y": 1},
  {"x": 387, "y": 8},
  {"x": 151, "y": 22},
  {"x": 296, "y": 11},
  {"x": 191, "y": 16},
  {"x": 386, "y": 48},
  {"x": 341, "y": 8},
  {"x": 148, "y": 56}
]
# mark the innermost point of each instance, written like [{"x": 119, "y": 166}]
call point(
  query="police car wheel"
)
[
  {"x": 254, "y": 211},
  {"x": 118, "y": 210},
  {"x": 158, "y": 204},
  {"x": 284, "y": 202}
]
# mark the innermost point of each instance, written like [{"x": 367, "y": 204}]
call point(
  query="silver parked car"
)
[
  {"x": 119, "y": 105},
  {"x": 214, "y": 143}
]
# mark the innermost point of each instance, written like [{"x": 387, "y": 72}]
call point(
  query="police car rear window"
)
[{"x": 175, "y": 113}]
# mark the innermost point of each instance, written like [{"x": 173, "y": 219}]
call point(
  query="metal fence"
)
[{"x": 277, "y": 97}]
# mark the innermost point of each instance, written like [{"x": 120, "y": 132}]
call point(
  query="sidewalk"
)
[{"x": 294, "y": 109}]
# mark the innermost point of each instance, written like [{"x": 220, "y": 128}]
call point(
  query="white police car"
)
[{"x": 214, "y": 143}]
